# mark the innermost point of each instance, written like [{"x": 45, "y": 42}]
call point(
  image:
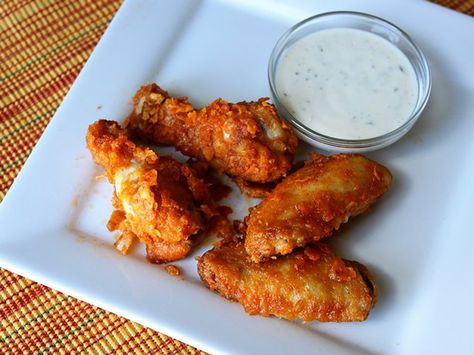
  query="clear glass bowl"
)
[{"x": 365, "y": 22}]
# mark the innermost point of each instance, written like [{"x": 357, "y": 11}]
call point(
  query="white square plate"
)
[{"x": 418, "y": 240}]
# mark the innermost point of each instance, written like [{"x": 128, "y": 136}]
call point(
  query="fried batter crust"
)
[
  {"x": 160, "y": 252},
  {"x": 157, "y": 196},
  {"x": 309, "y": 285},
  {"x": 313, "y": 202},
  {"x": 256, "y": 190},
  {"x": 246, "y": 140}
]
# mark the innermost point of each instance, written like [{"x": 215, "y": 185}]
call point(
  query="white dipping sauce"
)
[{"x": 347, "y": 83}]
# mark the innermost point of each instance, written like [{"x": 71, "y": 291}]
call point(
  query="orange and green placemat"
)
[
  {"x": 43, "y": 46},
  {"x": 465, "y": 6}
]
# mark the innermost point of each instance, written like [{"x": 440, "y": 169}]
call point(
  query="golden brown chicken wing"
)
[
  {"x": 246, "y": 140},
  {"x": 157, "y": 197},
  {"x": 313, "y": 284},
  {"x": 313, "y": 202}
]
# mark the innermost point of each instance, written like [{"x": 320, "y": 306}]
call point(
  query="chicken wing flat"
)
[
  {"x": 156, "y": 197},
  {"x": 313, "y": 202},
  {"x": 246, "y": 140},
  {"x": 309, "y": 285}
]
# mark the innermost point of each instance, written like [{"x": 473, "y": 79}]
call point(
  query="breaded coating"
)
[
  {"x": 173, "y": 270},
  {"x": 309, "y": 285},
  {"x": 313, "y": 202},
  {"x": 160, "y": 252},
  {"x": 157, "y": 198},
  {"x": 253, "y": 189},
  {"x": 246, "y": 140}
]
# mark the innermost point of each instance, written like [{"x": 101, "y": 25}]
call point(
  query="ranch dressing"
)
[{"x": 347, "y": 83}]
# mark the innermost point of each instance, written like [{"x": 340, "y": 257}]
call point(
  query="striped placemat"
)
[{"x": 43, "y": 46}]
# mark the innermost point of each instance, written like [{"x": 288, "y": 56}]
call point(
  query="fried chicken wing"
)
[
  {"x": 313, "y": 202},
  {"x": 157, "y": 197},
  {"x": 309, "y": 285},
  {"x": 246, "y": 140}
]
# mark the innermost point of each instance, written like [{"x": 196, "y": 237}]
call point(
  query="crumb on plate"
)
[{"x": 173, "y": 270}]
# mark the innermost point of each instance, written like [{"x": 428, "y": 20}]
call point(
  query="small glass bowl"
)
[{"x": 365, "y": 22}]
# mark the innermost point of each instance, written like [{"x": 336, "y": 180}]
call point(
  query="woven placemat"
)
[{"x": 43, "y": 46}]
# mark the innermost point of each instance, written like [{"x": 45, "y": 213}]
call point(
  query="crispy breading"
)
[
  {"x": 313, "y": 202},
  {"x": 309, "y": 285},
  {"x": 160, "y": 252},
  {"x": 157, "y": 197},
  {"x": 173, "y": 270},
  {"x": 252, "y": 189},
  {"x": 246, "y": 140}
]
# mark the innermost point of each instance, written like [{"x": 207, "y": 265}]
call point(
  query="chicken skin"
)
[
  {"x": 313, "y": 202},
  {"x": 310, "y": 284},
  {"x": 245, "y": 140},
  {"x": 157, "y": 198}
]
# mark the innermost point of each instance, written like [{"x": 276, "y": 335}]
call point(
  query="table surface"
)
[{"x": 43, "y": 46}]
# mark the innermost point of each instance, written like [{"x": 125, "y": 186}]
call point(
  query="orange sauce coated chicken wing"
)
[
  {"x": 157, "y": 198},
  {"x": 311, "y": 284},
  {"x": 313, "y": 202},
  {"x": 246, "y": 140}
]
